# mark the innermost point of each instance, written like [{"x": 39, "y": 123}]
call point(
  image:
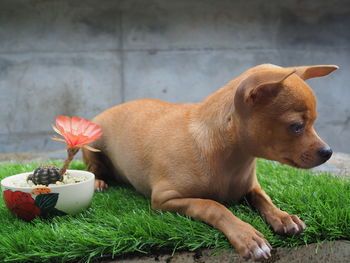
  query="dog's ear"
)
[
  {"x": 264, "y": 85},
  {"x": 308, "y": 72}
]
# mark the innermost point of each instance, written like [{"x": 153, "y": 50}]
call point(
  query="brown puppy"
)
[{"x": 189, "y": 158}]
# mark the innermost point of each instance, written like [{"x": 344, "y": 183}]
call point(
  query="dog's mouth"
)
[
  {"x": 296, "y": 165},
  {"x": 292, "y": 163}
]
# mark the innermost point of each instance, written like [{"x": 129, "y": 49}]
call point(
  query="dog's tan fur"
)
[{"x": 190, "y": 158}]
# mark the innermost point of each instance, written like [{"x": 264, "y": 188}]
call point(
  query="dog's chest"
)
[{"x": 231, "y": 186}]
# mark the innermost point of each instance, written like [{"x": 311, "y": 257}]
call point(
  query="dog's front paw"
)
[
  {"x": 251, "y": 244},
  {"x": 289, "y": 225}
]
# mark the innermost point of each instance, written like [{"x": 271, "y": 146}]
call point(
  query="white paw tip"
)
[
  {"x": 265, "y": 248},
  {"x": 294, "y": 227},
  {"x": 258, "y": 253}
]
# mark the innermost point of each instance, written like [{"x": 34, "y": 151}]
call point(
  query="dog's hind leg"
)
[{"x": 98, "y": 164}]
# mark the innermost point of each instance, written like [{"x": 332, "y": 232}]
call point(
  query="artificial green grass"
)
[{"x": 121, "y": 221}]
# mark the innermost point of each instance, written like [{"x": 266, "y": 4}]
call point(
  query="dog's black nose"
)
[{"x": 325, "y": 153}]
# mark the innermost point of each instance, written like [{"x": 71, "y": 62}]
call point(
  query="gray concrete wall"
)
[{"x": 80, "y": 57}]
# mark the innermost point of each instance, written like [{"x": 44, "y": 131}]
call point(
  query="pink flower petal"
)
[
  {"x": 77, "y": 131},
  {"x": 56, "y": 130},
  {"x": 91, "y": 148},
  {"x": 85, "y": 123},
  {"x": 58, "y": 139},
  {"x": 75, "y": 128},
  {"x": 89, "y": 129},
  {"x": 63, "y": 124}
]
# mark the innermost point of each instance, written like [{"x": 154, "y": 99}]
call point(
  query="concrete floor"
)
[{"x": 334, "y": 252}]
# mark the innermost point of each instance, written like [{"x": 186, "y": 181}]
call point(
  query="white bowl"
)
[{"x": 30, "y": 202}]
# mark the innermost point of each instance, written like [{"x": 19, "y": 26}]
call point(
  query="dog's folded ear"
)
[
  {"x": 263, "y": 85},
  {"x": 308, "y": 72}
]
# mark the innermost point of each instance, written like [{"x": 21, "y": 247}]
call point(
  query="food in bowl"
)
[{"x": 67, "y": 179}]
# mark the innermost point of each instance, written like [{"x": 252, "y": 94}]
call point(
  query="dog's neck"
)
[{"x": 213, "y": 127}]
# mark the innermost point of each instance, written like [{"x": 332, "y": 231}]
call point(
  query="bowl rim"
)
[{"x": 7, "y": 179}]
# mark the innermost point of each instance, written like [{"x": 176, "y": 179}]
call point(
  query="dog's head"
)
[{"x": 276, "y": 111}]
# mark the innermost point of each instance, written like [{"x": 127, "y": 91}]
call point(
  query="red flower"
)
[
  {"x": 21, "y": 204},
  {"x": 77, "y": 132}
]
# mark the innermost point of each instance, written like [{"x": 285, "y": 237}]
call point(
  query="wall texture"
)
[{"x": 80, "y": 57}]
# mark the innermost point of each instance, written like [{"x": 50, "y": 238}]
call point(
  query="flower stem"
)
[{"x": 71, "y": 152}]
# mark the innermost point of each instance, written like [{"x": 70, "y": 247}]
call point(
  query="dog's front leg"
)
[
  {"x": 281, "y": 222},
  {"x": 245, "y": 239}
]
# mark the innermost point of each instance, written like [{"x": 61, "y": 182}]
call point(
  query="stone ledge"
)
[{"x": 335, "y": 252}]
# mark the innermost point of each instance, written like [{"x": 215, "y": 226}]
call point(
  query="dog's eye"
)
[{"x": 297, "y": 128}]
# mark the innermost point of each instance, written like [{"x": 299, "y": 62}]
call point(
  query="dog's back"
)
[{"x": 133, "y": 135}]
